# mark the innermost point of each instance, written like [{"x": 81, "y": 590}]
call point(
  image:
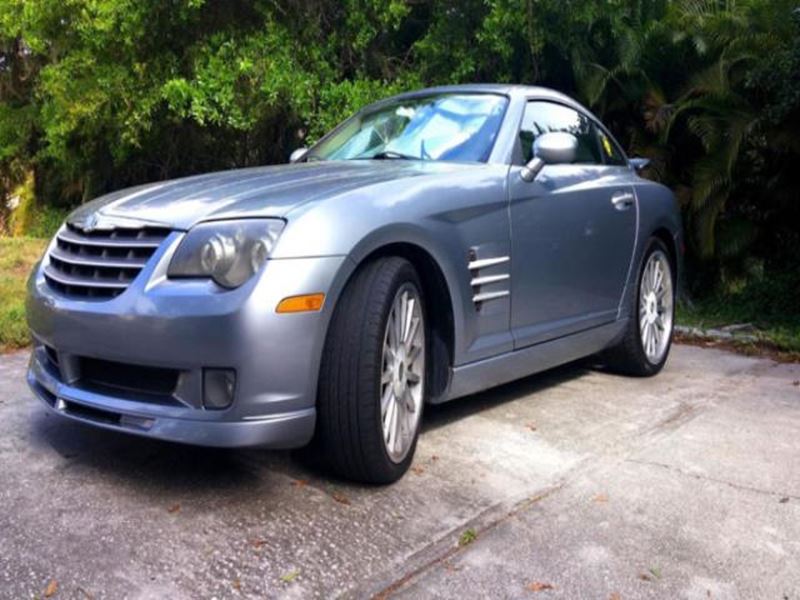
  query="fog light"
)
[{"x": 218, "y": 387}]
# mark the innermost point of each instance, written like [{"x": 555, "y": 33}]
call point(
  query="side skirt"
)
[{"x": 484, "y": 374}]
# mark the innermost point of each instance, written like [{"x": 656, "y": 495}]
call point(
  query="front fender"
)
[
  {"x": 420, "y": 238},
  {"x": 445, "y": 214}
]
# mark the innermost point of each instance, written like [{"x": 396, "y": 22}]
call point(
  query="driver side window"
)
[
  {"x": 543, "y": 117},
  {"x": 612, "y": 155}
]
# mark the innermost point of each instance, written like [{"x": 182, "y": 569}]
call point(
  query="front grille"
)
[
  {"x": 122, "y": 379},
  {"x": 100, "y": 264}
]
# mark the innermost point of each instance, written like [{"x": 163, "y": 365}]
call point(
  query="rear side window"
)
[{"x": 543, "y": 117}]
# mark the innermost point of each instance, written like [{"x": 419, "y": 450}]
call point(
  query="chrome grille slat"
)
[
  {"x": 99, "y": 264},
  {"x": 70, "y": 237},
  {"x": 96, "y": 261},
  {"x": 83, "y": 281}
]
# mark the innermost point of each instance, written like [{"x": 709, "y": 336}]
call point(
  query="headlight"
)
[{"x": 229, "y": 252}]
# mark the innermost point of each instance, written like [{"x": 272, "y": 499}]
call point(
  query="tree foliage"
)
[{"x": 100, "y": 94}]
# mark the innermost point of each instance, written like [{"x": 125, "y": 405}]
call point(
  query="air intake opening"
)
[{"x": 135, "y": 382}]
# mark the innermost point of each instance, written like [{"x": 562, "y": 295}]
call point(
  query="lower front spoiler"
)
[{"x": 279, "y": 431}]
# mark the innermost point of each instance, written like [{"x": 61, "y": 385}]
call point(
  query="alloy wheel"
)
[
  {"x": 656, "y": 306},
  {"x": 403, "y": 372}
]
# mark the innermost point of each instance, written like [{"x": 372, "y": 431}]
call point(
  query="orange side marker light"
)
[{"x": 304, "y": 303}]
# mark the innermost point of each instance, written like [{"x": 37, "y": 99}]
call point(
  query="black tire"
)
[
  {"x": 349, "y": 430},
  {"x": 628, "y": 355}
]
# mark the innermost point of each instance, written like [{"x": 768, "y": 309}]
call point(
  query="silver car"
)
[{"x": 436, "y": 244}]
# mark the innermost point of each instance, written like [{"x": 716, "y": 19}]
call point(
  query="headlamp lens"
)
[{"x": 229, "y": 252}]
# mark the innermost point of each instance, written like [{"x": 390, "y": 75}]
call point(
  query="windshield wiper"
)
[{"x": 391, "y": 154}]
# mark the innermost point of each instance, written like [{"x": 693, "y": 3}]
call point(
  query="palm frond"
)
[{"x": 705, "y": 128}]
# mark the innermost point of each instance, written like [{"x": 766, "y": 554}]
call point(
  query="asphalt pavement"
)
[{"x": 572, "y": 484}]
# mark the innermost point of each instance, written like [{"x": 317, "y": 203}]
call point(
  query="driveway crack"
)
[
  {"x": 447, "y": 546},
  {"x": 731, "y": 484}
]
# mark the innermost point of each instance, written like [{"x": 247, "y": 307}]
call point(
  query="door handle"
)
[{"x": 622, "y": 200}]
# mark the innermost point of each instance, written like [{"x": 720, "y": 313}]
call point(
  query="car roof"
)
[
  {"x": 506, "y": 89},
  {"x": 517, "y": 92}
]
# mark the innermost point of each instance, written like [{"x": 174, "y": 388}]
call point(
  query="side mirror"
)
[
  {"x": 554, "y": 148},
  {"x": 639, "y": 164},
  {"x": 297, "y": 155}
]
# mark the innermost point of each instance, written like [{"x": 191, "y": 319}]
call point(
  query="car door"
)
[{"x": 573, "y": 230}]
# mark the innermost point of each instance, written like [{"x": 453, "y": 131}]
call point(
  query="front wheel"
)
[
  {"x": 645, "y": 346},
  {"x": 372, "y": 377}
]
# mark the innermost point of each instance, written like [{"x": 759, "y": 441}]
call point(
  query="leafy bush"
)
[{"x": 102, "y": 94}]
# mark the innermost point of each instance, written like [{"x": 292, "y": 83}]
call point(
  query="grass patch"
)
[
  {"x": 17, "y": 257},
  {"x": 783, "y": 335},
  {"x": 770, "y": 305},
  {"x": 467, "y": 537}
]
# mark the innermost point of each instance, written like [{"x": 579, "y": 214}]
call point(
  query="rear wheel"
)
[
  {"x": 644, "y": 349},
  {"x": 372, "y": 377}
]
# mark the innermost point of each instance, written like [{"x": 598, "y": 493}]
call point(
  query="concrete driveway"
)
[{"x": 572, "y": 484}]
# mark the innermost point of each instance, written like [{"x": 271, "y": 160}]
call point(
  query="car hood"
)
[{"x": 257, "y": 192}]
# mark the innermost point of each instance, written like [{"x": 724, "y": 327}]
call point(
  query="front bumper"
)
[
  {"x": 186, "y": 326},
  {"x": 288, "y": 430}
]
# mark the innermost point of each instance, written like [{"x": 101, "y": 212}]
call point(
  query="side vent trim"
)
[
  {"x": 487, "y": 279},
  {"x": 478, "y": 298},
  {"x": 482, "y": 263},
  {"x": 479, "y": 280}
]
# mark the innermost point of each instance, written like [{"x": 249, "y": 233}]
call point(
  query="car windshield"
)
[{"x": 446, "y": 127}]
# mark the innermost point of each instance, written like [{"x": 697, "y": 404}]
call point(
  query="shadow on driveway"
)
[
  {"x": 175, "y": 467},
  {"x": 441, "y": 415}
]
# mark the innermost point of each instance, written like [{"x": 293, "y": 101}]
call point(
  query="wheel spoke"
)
[
  {"x": 398, "y": 324},
  {"x": 652, "y": 338},
  {"x": 402, "y": 429},
  {"x": 414, "y": 354},
  {"x": 408, "y": 317},
  {"x": 412, "y": 331},
  {"x": 391, "y": 333},
  {"x": 386, "y": 398},
  {"x": 408, "y": 399},
  {"x": 397, "y": 422},
  {"x": 391, "y": 424},
  {"x": 403, "y": 316},
  {"x": 408, "y": 426},
  {"x": 387, "y": 418}
]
